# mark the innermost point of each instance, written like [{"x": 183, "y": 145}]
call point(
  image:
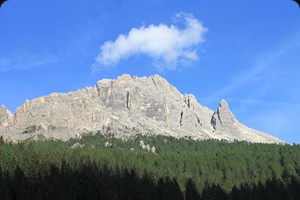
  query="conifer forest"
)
[{"x": 105, "y": 167}]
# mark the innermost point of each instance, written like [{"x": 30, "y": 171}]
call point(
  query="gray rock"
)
[
  {"x": 5, "y": 117},
  {"x": 223, "y": 121},
  {"x": 124, "y": 108},
  {"x": 77, "y": 145},
  {"x": 226, "y": 125}
]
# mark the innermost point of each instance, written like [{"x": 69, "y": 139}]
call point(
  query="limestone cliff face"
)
[
  {"x": 125, "y": 107},
  {"x": 223, "y": 121},
  {"x": 5, "y": 117}
]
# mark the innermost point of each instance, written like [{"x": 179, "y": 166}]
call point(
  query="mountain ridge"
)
[{"x": 124, "y": 107}]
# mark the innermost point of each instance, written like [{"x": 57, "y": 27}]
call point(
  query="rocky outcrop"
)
[
  {"x": 226, "y": 125},
  {"x": 5, "y": 117},
  {"x": 223, "y": 121},
  {"x": 125, "y": 107}
]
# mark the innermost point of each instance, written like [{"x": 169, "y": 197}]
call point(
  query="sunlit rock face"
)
[
  {"x": 125, "y": 107},
  {"x": 5, "y": 117}
]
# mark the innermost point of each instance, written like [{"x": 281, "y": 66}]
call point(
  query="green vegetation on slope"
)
[{"x": 203, "y": 168}]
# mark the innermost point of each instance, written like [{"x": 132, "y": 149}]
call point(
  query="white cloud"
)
[{"x": 166, "y": 45}]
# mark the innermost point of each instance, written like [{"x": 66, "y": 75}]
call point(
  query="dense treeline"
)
[
  {"x": 90, "y": 182},
  {"x": 104, "y": 167}
]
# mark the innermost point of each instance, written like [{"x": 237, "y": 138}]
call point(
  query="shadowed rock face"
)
[{"x": 125, "y": 107}]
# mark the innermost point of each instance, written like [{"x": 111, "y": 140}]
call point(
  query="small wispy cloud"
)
[
  {"x": 166, "y": 45},
  {"x": 265, "y": 69},
  {"x": 253, "y": 73},
  {"x": 265, "y": 103},
  {"x": 25, "y": 61}
]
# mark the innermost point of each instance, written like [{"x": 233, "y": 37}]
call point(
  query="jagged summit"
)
[
  {"x": 224, "y": 104},
  {"x": 125, "y": 107},
  {"x": 223, "y": 120},
  {"x": 5, "y": 116}
]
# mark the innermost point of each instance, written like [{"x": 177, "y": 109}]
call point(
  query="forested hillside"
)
[{"x": 153, "y": 167}]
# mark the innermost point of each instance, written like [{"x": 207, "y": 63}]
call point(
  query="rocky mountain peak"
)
[
  {"x": 223, "y": 104},
  {"x": 5, "y": 116},
  {"x": 3, "y": 108},
  {"x": 224, "y": 121},
  {"x": 125, "y": 106}
]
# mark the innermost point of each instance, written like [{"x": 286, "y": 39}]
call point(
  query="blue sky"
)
[{"x": 246, "y": 52}]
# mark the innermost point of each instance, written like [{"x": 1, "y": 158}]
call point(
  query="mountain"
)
[{"x": 125, "y": 107}]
